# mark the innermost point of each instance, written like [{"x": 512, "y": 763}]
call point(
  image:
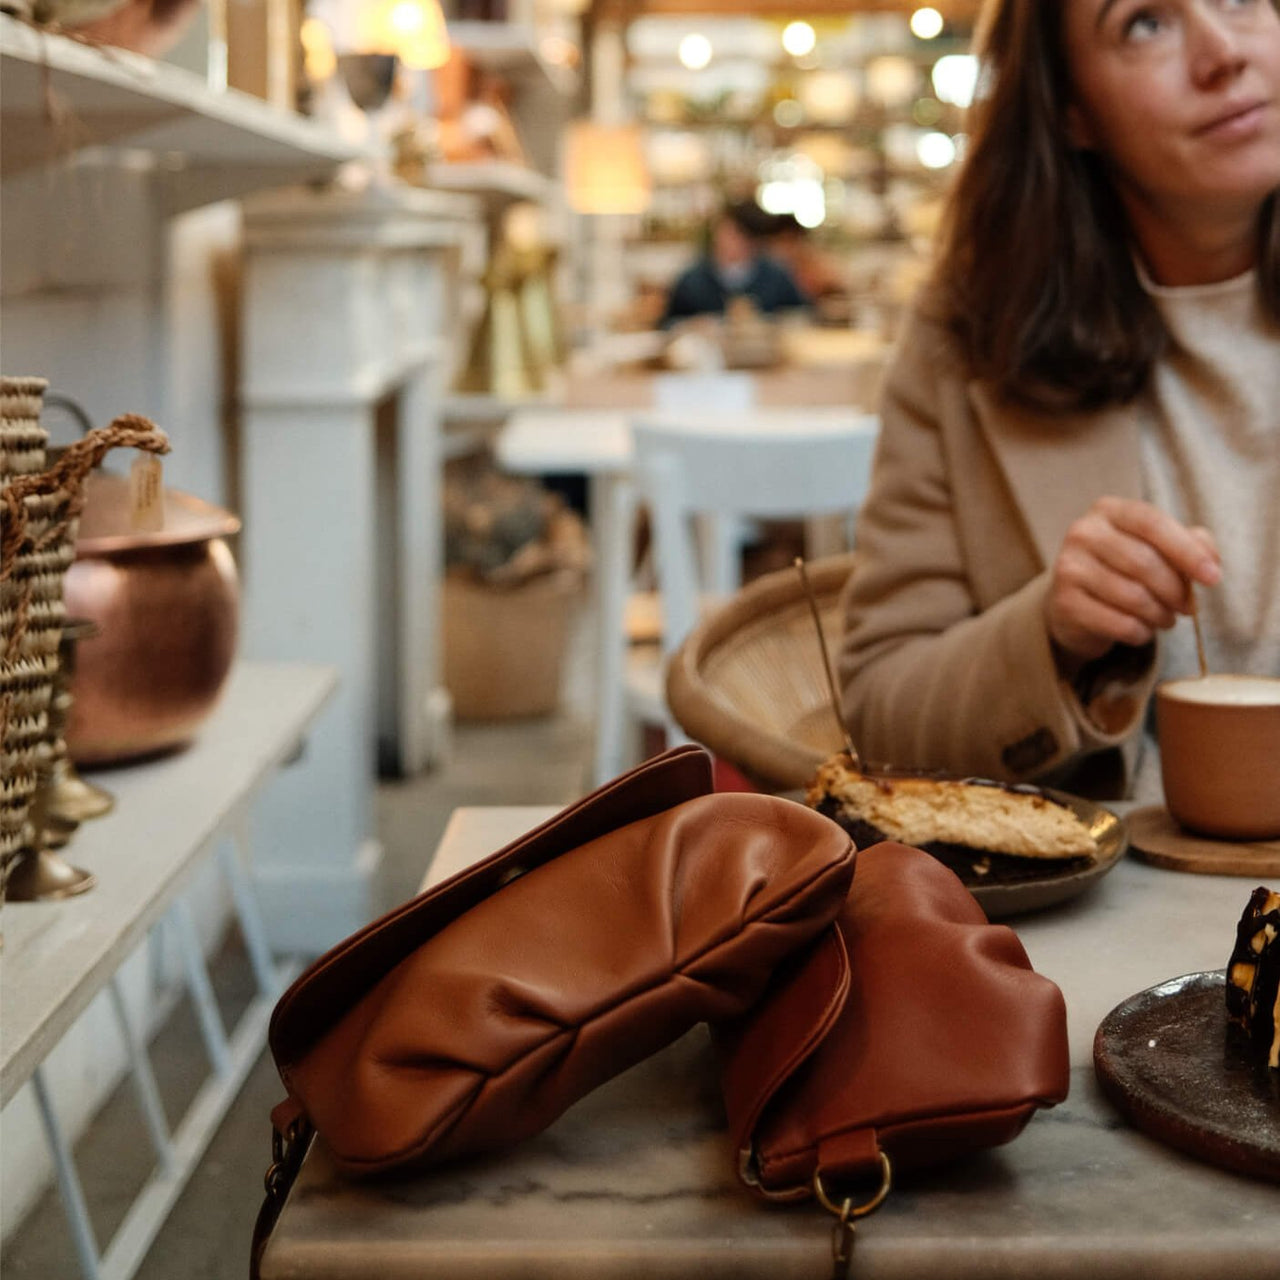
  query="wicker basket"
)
[
  {"x": 748, "y": 681},
  {"x": 30, "y": 617},
  {"x": 504, "y": 650},
  {"x": 37, "y": 545}
]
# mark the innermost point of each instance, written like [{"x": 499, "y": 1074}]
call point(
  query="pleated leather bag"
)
[
  {"x": 911, "y": 1033},
  {"x": 471, "y": 1017}
]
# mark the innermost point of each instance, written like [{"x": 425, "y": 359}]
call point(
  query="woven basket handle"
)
[{"x": 67, "y": 475}]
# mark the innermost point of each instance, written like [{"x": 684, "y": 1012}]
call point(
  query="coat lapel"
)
[{"x": 1057, "y": 465}]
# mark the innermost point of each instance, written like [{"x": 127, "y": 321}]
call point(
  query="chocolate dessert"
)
[
  {"x": 1253, "y": 975},
  {"x": 986, "y": 832}
]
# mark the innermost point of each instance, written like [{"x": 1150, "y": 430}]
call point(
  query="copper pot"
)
[{"x": 167, "y": 609}]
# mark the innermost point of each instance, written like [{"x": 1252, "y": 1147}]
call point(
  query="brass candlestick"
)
[
  {"x": 71, "y": 800},
  {"x": 36, "y": 873}
]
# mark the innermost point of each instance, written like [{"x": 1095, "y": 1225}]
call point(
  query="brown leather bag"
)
[
  {"x": 911, "y": 1033},
  {"x": 471, "y": 1017}
]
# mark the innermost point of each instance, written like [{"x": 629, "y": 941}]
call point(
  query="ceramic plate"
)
[
  {"x": 1001, "y": 900},
  {"x": 1165, "y": 1060}
]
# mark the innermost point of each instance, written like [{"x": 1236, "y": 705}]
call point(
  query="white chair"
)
[
  {"x": 765, "y": 466},
  {"x": 720, "y": 391},
  {"x": 720, "y": 542}
]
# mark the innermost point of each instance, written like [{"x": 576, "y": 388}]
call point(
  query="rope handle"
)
[{"x": 129, "y": 430}]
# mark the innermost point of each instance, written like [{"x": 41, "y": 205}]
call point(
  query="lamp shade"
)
[
  {"x": 413, "y": 29},
  {"x": 605, "y": 168}
]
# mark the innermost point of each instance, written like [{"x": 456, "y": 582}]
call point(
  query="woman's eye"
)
[{"x": 1142, "y": 25}]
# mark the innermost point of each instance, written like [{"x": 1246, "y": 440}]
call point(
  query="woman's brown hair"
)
[{"x": 1035, "y": 269}]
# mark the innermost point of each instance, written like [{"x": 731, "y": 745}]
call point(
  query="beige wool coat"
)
[{"x": 946, "y": 660}]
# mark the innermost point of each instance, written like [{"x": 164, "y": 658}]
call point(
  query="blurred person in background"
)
[
  {"x": 790, "y": 243},
  {"x": 735, "y": 265}
]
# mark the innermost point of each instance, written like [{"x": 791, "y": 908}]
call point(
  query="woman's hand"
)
[{"x": 1122, "y": 575}]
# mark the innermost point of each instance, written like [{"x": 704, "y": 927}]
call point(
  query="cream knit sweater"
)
[{"x": 1211, "y": 456}]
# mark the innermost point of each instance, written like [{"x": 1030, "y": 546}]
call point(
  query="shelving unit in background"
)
[
  {"x": 171, "y": 816},
  {"x": 543, "y": 95},
  {"x": 514, "y": 48},
  {"x": 497, "y": 182},
  {"x": 116, "y": 170},
  {"x": 204, "y": 145}
]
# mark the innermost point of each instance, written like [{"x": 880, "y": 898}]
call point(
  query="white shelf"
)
[
  {"x": 512, "y": 48},
  {"x": 58, "y": 955},
  {"x": 220, "y": 144},
  {"x": 498, "y": 182}
]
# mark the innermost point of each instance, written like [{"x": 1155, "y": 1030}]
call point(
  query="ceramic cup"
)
[{"x": 1220, "y": 754}]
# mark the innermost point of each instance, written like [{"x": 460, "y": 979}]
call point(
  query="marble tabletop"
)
[{"x": 636, "y": 1180}]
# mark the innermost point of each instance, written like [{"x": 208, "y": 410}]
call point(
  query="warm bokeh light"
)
[
  {"x": 317, "y": 49},
  {"x": 798, "y": 38},
  {"x": 829, "y": 97},
  {"x": 788, "y": 114},
  {"x": 892, "y": 80},
  {"x": 605, "y": 168},
  {"x": 695, "y": 51},
  {"x": 413, "y": 29},
  {"x": 955, "y": 78},
  {"x": 792, "y": 183},
  {"x": 935, "y": 150},
  {"x": 926, "y": 24}
]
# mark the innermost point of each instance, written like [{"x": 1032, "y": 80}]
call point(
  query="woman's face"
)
[{"x": 1182, "y": 97}]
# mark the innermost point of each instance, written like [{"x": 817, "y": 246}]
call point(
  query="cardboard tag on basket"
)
[{"x": 146, "y": 494}]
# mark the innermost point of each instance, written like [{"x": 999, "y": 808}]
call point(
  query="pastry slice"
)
[{"x": 986, "y": 832}]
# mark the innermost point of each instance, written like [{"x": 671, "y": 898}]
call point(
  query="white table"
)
[
  {"x": 636, "y": 1180},
  {"x": 170, "y": 815},
  {"x": 597, "y": 443}
]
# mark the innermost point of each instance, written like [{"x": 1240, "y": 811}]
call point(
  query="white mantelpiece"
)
[{"x": 347, "y": 339}]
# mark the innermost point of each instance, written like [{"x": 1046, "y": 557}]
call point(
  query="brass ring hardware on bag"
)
[
  {"x": 846, "y": 1209},
  {"x": 846, "y": 1214},
  {"x": 283, "y": 1146}
]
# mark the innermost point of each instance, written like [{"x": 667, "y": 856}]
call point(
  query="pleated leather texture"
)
[
  {"x": 328, "y": 987},
  {"x": 914, "y": 1027},
  {"x": 567, "y": 975}
]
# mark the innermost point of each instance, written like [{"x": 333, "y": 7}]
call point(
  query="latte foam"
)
[{"x": 1227, "y": 691}]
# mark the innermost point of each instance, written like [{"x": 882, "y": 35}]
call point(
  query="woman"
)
[{"x": 1090, "y": 385}]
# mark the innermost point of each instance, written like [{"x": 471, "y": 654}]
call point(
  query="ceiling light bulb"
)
[
  {"x": 926, "y": 24},
  {"x": 935, "y": 150},
  {"x": 798, "y": 38},
  {"x": 955, "y": 78},
  {"x": 695, "y": 51}
]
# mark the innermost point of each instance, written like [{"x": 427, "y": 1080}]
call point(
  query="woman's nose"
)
[{"x": 1216, "y": 45}]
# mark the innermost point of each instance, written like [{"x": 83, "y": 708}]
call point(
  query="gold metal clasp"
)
[
  {"x": 847, "y": 1213},
  {"x": 283, "y": 1147}
]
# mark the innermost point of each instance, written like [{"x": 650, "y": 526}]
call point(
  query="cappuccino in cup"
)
[{"x": 1220, "y": 754}]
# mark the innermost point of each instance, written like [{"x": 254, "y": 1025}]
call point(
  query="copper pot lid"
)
[{"x": 105, "y": 521}]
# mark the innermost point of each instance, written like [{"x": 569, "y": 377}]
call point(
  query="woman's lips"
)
[{"x": 1237, "y": 123}]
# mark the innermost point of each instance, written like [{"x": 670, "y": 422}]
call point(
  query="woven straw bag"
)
[{"x": 39, "y": 506}]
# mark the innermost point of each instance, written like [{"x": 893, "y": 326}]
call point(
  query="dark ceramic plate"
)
[
  {"x": 1054, "y": 886},
  {"x": 1165, "y": 1059}
]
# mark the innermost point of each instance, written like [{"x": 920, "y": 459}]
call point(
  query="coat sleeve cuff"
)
[{"x": 1108, "y": 697}]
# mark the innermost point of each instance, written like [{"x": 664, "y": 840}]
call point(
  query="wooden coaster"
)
[{"x": 1156, "y": 838}]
